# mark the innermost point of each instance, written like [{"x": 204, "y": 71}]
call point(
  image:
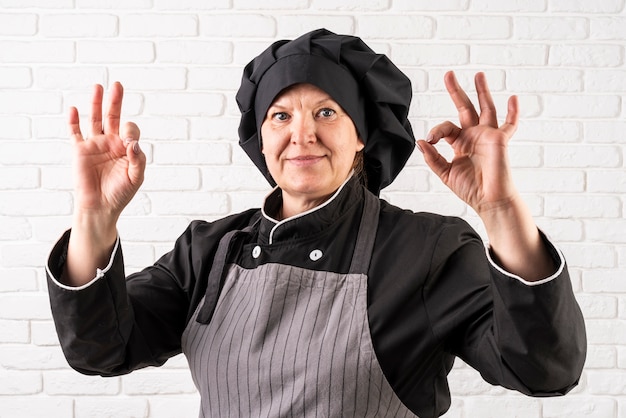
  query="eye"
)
[
  {"x": 280, "y": 116},
  {"x": 326, "y": 113}
]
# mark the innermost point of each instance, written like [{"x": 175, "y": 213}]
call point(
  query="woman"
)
[{"x": 328, "y": 300}]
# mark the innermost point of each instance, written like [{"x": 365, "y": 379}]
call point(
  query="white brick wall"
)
[{"x": 181, "y": 61}]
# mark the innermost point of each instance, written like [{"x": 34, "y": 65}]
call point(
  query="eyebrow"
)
[{"x": 318, "y": 103}]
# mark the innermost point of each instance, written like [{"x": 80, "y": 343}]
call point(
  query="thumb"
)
[{"x": 437, "y": 163}]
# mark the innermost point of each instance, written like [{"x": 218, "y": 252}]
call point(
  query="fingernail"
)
[
  {"x": 128, "y": 140},
  {"x": 419, "y": 147},
  {"x": 430, "y": 138},
  {"x": 136, "y": 148}
]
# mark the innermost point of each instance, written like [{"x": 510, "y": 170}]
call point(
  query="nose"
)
[{"x": 303, "y": 130}]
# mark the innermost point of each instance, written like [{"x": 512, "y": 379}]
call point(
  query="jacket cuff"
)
[
  {"x": 555, "y": 253},
  {"x": 58, "y": 257}
]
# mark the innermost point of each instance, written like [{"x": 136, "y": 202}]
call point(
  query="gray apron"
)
[{"x": 284, "y": 341}]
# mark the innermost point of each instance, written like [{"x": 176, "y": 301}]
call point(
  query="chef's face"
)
[{"x": 309, "y": 143}]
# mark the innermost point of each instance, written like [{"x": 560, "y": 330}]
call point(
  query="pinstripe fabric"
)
[{"x": 290, "y": 342}]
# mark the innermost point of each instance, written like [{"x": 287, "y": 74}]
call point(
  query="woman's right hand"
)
[
  {"x": 108, "y": 170},
  {"x": 108, "y": 165}
]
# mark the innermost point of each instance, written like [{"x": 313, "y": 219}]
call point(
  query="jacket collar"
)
[{"x": 311, "y": 222}]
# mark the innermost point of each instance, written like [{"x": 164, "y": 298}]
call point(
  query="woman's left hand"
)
[{"x": 479, "y": 172}]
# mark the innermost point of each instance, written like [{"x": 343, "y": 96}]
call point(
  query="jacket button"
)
[
  {"x": 316, "y": 255},
  {"x": 256, "y": 252}
]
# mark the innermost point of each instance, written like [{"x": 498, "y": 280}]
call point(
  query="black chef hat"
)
[{"x": 368, "y": 86}]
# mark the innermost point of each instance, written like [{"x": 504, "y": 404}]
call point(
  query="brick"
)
[
  {"x": 105, "y": 52},
  {"x": 170, "y": 406},
  {"x": 583, "y": 206},
  {"x": 427, "y": 5},
  {"x": 468, "y": 382},
  {"x": 69, "y": 78},
  {"x": 22, "y": 178},
  {"x": 163, "y": 128},
  {"x": 579, "y": 406},
  {"x": 30, "y": 406},
  {"x": 15, "y": 77},
  {"x": 191, "y": 153},
  {"x": 57, "y": 178},
  {"x": 14, "y": 228},
  {"x": 395, "y": 26},
  {"x": 154, "y": 381},
  {"x": 292, "y": 26},
  {"x": 69, "y": 382},
  {"x": 24, "y": 305},
  {"x": 270, "y": 5},
  {"x": 27, "y": 203},
  {"x": 29, "y": 357},
  {"x": 533, "y": 80},
  {"x": 14, "y": 127},
  {"x": 613, "y": 332},
  {"x": 605, "y": 6},
  {"x": 241, "y": 201},
  {"x": 473, "y": 27},
  {"x": 141, "y": 79},
  {"x": 588, "y": 256},
  {"x": 13, "y": 332},
  {"x": 606, "y": 181},
  {"x": 605, "y": 81},
  {"x": 550, "y": 131},
  {"x": 601, "y": 357},
  {"x": 604, "y": 281},
  {"x": 151, "y": 229},
  {"x": 44, "y": 333},
  {"x": 501, "y": 406},
  {"x": 23, "y": 254},
  {"x": 30, "y": 102},
  {"x": 179, "y": 104},
  {"x": 605, "y": 230},
  {"x": 562, "y": 230},
  {"x": 79, "y": 25},
  {"x": 607, "y": 382},
  {"x": 19, "y": 383},
  {"x": 410, "y": 180},
  {"x": 510, "y": 56},
  {"x": 491, "y": 6},
  {"x": 18, "y": 279},
  {"x": 592, "y": 56},
  {"x": 598, "y": 306},
  {"x": 193, "y": 5},
  {"x": 582, "y": 106},
  {"x": 153, "y": 25},
  {"x": 215, "y": 78},
  {"x": 233, "y": 178},
  {"x": 547, "y": 180},
  {"x": 36, "y": 51},
  {"x": 239, "y": 25},
  {"x": 551, "y": 28},
  {"x": 189, "y": 203},
  {"x": 351, "y": 5},
  {"x": 442, "y": 203},
  {"x": 608, "y": 28},
  {"x": 433, "y": 55},
  {"x": 582, "y": 156},
  {"x": 159, "y": 178},
  {"x": 18, "y": 24},
  {"x": 113, "y": 407},
  {"x": 495, "y": 78}
]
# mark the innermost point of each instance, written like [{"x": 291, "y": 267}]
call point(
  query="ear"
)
[{"x": 360, "y": 144}]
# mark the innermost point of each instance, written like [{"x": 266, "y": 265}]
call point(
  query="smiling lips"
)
[{"x": 305, "y": 160}]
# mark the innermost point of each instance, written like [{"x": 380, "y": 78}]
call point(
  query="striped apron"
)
[{"x": 284, "y": 341}]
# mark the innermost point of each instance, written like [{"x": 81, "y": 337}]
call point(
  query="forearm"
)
[
  {"x": 515, "y": 241},
  {"x": 91, "y": 242}
]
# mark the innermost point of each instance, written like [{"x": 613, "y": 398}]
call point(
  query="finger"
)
[
  {"x": 485, "y": 101},
  {"x": 512, "y": 117},
  {"x": 136, "y": 163},
  {"x": 73, "y": 121},
  {"x": 437, "y": 163},
  {"x": 96, "y": 110},
  {"x": 130, "y": 132},
  {"x": 467, "y": 112},
  {"x": 114, "y": 111},
  {"x": 447, "y": 130}
]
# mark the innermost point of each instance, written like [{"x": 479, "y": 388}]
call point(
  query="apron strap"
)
[
  {"x": 214, "y": 283},
  {"x": 366, "y": 235}
]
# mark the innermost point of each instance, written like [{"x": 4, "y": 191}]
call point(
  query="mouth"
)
[{"x": 305, "y": 160}]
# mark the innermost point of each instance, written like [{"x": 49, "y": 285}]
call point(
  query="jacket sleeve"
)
[
  {"x": 525, "y": 336},
  {"x": 115, "y": 324}
]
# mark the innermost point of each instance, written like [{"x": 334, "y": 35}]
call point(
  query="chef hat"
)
[{"x": 368, "y": 86}]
